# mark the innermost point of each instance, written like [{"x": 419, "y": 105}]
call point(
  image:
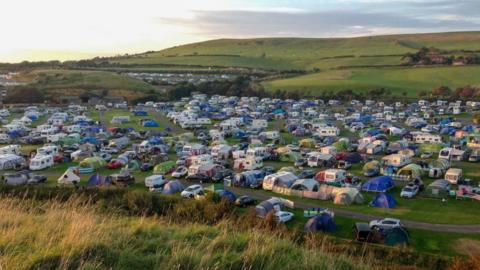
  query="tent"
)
[
  {"x": 371, "y": 168},
  {"x": 290, "y": 156},
  {"x": 379, "y": 184},
  {"x": 69, "y": 177},
  {"x": 93, "y": 162},
  {"x": 150, "y": 123},
  {"x": 350, "y": 157},
  {"x": 164, "y": 167},
  {"x": 383, "y": 200},
  {"x": 341, "y": 145},
  {"x": 323, "y": 222},
  {"x": 414, "y": 171},
  {"x": 172, "y": 187},
  {"x": 133, "y": 165},
  {"x": 307, "y": 143},
  {"x": 225, "y": 194},
  {"x": 99, "y": 180},
  {"x": 438, "y": 189},
  {"x": 396, "y": 236},
  {"x": 347, "y": 196}
]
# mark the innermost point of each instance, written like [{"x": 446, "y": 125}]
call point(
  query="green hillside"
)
[
  {"x": 303, "y": 53},
  {"x": 397, "y": 80}
]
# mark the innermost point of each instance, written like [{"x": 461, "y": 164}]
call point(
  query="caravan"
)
[
  {"x": 280, "y": 179},
  {"x": 40, "y": 162}
]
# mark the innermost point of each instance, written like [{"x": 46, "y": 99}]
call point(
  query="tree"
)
[{"x": 442, "y": 91}]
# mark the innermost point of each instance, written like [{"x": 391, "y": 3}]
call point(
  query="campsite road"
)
[{"x": 346, "y": 213}]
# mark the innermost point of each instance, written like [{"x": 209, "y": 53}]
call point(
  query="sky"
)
[{"x": 77, "y": 29}]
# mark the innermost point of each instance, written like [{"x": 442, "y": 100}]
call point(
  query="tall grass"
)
[{"x": 75, "y": 235}]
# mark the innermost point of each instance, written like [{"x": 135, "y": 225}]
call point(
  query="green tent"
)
[
  {"x": 164, "y": 167},
  {"x": 70, "y": 140},
  {"x": 413, "y": 170},
  {"x": 133, "y": 165},
  {"x": 290, "y": 156},
  {"x": 93, "y": 162},
  {"x": 341, "y": 145}
]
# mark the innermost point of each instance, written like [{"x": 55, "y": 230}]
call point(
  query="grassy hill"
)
[
  {"x": 397, "y": 80},
  {"x": 304, "y": 53}
]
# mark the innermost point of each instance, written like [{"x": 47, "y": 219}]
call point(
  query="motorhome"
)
[
  {"x": 247, "y": 163},
  {"x": 331, "y": 176},
  {"x": 454, "y": 175},
  {"x": 40, "y": 162},
  {"x": 318, "y": 159},
  {"x": 10, "y": 149},
  {"x": 280, "y": 179},
  {"x": 450, "y": 153}
]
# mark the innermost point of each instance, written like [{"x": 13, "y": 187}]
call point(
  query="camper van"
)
[
  {"x": 318, "y": 159},
  {"x": 454, "y": 176},
  {"x": 154, "y": 182},
  {"x": 40, "y": 162},
  {"x": 282, "y": 179},
  {"x": 258, "y": 152},
  {"x": 10, "y": 149},
  {"x": 248, "y": 163},
  {"x": 332, "y": 176}
]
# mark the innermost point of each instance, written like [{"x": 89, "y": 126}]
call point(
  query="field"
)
[
  {"x": 303, "y": 53},
  {"x": 397, "y": 80}
]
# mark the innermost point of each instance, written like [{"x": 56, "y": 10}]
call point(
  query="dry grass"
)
[{"x": 76, "y": 235}]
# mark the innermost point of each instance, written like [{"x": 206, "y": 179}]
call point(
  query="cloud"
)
[{"x": 241, "y": 23}]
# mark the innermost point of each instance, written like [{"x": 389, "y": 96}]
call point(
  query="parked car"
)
[
  {"x": 283, "y": 216},
  {"x": 386, "y": 223},
  {"x": 147, "y": 166},
  {"x": 301, "y": 162},
  {"x": 180, "y": 172},
  {"x": 426, "y": 155},
  {"x": 409, "y": 191},
  {"x": 198, "y": 177},
  {"x": 244, "y": 201},
  {"x": 220, "y": 175},
  {"x": 37, "y": 179},
  {"x": 191, "y": 191}
]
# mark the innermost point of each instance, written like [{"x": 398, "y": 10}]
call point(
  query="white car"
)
[
  {"x": 180, "y": 172},
  {"x": 191, "y": 191},
  {"x": 386, "y": 223},
  {"x": 283, "y": 216},
  {"x": 409, "y": 191}
]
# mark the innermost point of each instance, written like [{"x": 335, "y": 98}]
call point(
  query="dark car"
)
[
  {"x": 301, "y": 162},
  {"x": 305, "y": 174},
  {"x": 123, "y": 179},
  {"x": 146, "y": 167},
  {"x": 37, "y": 178},
  {"x": 220, "y": 175},
  {"x": 244, "y": 201},
  {"x": 198, "y": 177}
]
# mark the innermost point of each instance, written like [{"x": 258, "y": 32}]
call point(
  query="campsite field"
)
[{"x": 401, "y": 82}]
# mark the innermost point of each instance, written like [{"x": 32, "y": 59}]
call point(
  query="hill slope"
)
[{"x": 304, "y": 53}]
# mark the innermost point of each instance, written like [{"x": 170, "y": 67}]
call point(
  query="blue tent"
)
[
  {"x": 225, "y": 194},
  {"x": 383, "y": 200},
  {"x": 323, "y": 222},
  {"x": 91, "y": 140},
  {"x": 99, "y": 180},
  {"x": 379, "y": 184},
  {"x": 150, "y": 123},
  {"x": 140, "y": 113}
]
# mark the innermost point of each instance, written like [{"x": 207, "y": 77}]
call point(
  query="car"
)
[
  {"x": 37, "y": 178},
  {"x": 305, "y": 174},
  {"x": 181, "y": 162},
  {"x": 293, "y": 147},
  {"x": 198, "y": 177},
  {"x": 220, "y": 175},
  {"x": 283, "y": 216},
  {"x": 191, "y": 191},
  {"x": 180, "y": 172},
  {"x": 426, "y": 155},
  {"x": 409, "y": 191},
  {"x": 122, "y": 179},
  {"x": 386, "y": 223},
  {"x": 301, "y": 162},
  {"x": 244, "y": 201},
  {"x": 147, "y": 166}
]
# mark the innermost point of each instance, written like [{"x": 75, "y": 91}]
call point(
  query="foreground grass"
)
[{"x": 75, "y": 235}]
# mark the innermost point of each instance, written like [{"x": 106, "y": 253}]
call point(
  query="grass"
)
[
  {"x": 75, "y": 235},
  {"x": 303, "y": 53},
  {"x": 397, "y": 80}
]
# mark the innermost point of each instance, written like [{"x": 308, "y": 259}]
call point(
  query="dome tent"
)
[
  {"x": 383, "y": 200},
  {"x": 323, "y": 222},
  {"x": 172, "y": 187},
  {"x": 99, "y": 180},
  {"x": 379, "y": 184}
]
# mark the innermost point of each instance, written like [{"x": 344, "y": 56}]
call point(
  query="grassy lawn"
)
[{"x": 397, "y": 80}]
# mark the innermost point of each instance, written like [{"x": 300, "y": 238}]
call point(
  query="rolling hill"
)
[{"x": 303, "y": 53}]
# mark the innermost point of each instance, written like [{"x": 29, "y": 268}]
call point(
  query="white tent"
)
[{"x": 69, "y": 177}]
